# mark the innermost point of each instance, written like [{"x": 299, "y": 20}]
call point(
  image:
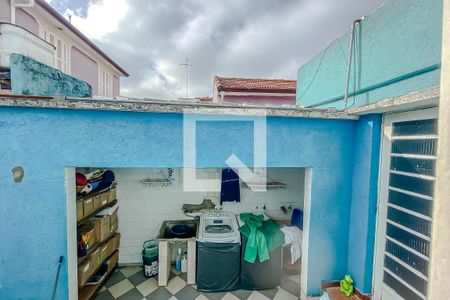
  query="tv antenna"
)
[{"x": 186, "y": 65}]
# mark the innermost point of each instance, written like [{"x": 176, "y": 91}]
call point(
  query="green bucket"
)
[{"x": 150, "y": 253}]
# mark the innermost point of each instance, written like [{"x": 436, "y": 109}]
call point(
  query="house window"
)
[
  {"x": 106, "y": 88},
  {"x": 61, "y": 55}
]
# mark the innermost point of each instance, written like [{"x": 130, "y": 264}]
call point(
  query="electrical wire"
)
[{"x": 316, "y": 72}]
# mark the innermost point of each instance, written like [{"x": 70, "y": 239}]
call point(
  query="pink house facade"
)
[{"x": 74, "y": 54}]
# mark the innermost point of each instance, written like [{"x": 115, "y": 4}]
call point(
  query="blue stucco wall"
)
[
  {"x": 46, "y": 141},
  {"x": 364, "y": 201},
  {"x": 30, "y": 77},
  {"x": 399, "y": 38}
]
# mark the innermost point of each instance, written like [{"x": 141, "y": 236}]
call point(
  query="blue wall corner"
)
[
  {"x": 30, "y": 77},
  {"x": 400, "y": 38},
  {"x": 364, "y": 201}
]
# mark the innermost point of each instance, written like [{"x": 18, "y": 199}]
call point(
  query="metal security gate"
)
[{"x": 405, "y": 205}]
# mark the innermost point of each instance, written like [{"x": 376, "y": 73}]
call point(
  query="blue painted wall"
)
[
  {"x": 364, "y": 201},
  {"x": 30, "y": 77},
  {"x": 399, "y": 38},
  {"x": 45, "y": 142}
]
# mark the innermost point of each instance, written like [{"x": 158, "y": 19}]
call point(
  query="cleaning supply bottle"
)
[
  {"x": 178, "y": 260},
  {"x": 184, "y": 263}
]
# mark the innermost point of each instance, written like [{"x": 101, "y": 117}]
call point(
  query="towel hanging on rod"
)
[{"x": 230, "y": 187}]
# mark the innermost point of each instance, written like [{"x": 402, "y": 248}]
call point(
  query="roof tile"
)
[{"x": 233, "y": 83}]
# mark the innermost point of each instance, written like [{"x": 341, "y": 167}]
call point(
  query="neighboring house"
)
[
  {"x": 254, "y": 91},
  {"x": 74, "y": 54}
]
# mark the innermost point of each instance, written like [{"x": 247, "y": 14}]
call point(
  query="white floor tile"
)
[
  {"x": 201, "y": 297},
  {"x": 173, "y": 298},
  {"x": 284, "y": 295},
  {"x": 175, "y": 285},
  {"x": 120, "y": 288},
  {"x": 128, "y": 271},
  {"x": 147, "y": 286},
  {"x": 257, "y": 296},
  {"x": 229, "y": 296}
]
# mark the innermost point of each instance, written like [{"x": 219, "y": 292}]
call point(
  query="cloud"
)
[
  {"x": 253, "y": 38},
  {"x": 98, "y": 18}
]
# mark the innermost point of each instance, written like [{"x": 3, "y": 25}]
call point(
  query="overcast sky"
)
[{"x": 238, "y": 38}]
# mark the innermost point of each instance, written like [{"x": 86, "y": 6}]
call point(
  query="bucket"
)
[{"x": 150, "y": 253}]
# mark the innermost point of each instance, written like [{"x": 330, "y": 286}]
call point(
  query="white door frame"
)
[
  {"x": 383, "y": 183},
  {"x": 305, "y": 234},
  {"x": 71, "y": 215}
]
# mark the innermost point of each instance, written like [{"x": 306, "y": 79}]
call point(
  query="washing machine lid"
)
[{"x": 219, "y": 227}]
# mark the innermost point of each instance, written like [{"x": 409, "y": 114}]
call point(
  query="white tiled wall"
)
[{"x": 143, "y": 208}]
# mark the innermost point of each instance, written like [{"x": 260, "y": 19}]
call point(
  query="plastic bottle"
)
[
  {"x": 178, "y": 261},
  {"x": 184, "y": 263}
]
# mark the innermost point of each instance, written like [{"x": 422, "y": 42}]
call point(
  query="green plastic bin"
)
[{"x": 150, "y": 253}]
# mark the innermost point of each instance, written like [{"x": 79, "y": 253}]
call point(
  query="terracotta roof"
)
[
  {"x": 205, "y": 99},
  {"x": 255, "y": 85}
]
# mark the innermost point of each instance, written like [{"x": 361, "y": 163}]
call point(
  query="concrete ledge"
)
[
  {"x": 421, "y": 99},
  {"x": 159, "y": 106}
]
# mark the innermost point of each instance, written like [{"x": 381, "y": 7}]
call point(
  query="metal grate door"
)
[{"x": 406, "y": 201}]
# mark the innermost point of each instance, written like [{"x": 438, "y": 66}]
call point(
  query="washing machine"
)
[{"x": 218, "y": 252}]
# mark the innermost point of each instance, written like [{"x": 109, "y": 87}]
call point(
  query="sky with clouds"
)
[{"x": 237, "y": 38}]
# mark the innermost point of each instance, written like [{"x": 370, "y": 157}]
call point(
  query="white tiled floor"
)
[
  {"x": 130, "y": 283},
  {"x": 120, "y": 288}
]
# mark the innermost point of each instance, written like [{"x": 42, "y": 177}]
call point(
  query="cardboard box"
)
[
  {"x": 80, "y": 211},
  {"x": 105, "y": 251},
  {"x": 97, "y": 202},
  {"x": 111, "y": 248},
  {"x": 88, "y": 206},
  {"x": 104, "y": 200},
  {"x": 105, "y": 197},
  {"x": 115, "y": 240},
  {"x": 113, "y": 260},
  {"x": 96, "y": 223},
  {"x": 114, "y": 222},
  {"x": 95, "y": 259},
  {"x": 112, "y": 195},
  {"x": 89, "y": 230},
  {"x": 85, "y": 270},
  {"x": 104, "y": 227}
]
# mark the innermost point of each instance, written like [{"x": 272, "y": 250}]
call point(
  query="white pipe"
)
[
  {"x": 349, "y": 62},
  {"x": 13, "y": 11}
]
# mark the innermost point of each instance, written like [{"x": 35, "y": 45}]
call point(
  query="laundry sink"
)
[{"x": 177, "y": 229}]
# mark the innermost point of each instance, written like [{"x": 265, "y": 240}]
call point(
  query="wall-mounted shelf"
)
[
  {"x": 261, "y": 186},
  {"x": 156, "y": 182},
  {"x": 102, "y": 237}
]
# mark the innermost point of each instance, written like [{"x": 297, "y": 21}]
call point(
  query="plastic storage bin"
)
[
  {"x": 150, "y": 258},
  {"x": 261, "y": 275}
]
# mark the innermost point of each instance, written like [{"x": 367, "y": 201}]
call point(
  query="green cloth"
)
[{"x": 262, "y": 237}]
